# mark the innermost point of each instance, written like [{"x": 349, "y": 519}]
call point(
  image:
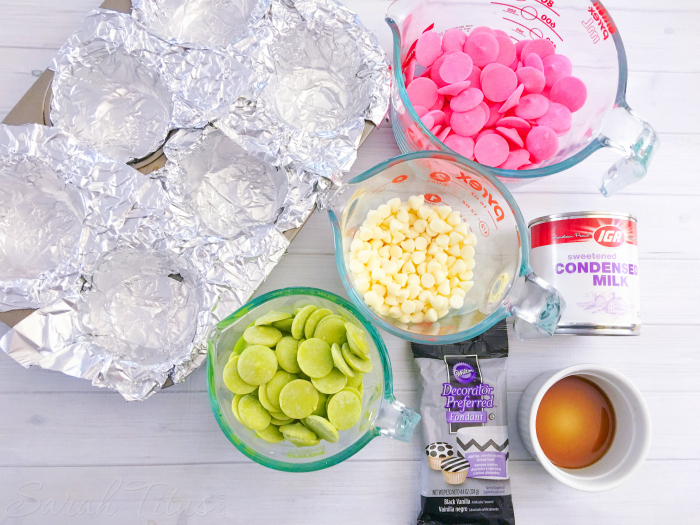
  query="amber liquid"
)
[{"x": 575, "y": 423}]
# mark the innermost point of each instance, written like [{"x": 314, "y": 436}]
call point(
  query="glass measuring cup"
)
[
  {"x": 580, "y": 29},
  {"x": 381, "y": 415},
  {"x": 504, "y": 284}
]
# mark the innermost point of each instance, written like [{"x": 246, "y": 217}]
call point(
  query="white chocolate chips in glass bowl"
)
[{"x": 411, "y": 261}]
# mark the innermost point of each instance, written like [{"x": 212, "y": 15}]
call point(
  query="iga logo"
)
[{"x": 609, "y": 236}]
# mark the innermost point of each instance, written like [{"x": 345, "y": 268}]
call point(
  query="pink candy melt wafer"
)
[
  {"x": 541, "y": 47},
  {"x": 420, "y": 110},
  {"x": 493, "y": 114},
  {"x": 435, "y": 72},
  {"x": 534, "y": 60},
  {"x": 454, "y": 89},
  {"x": 532, "y": 107},
  {"x": 532, "y": 78},
  {"x": 557, "y": 117},
  {"x": 506, "y": 50},
  {"x": 498, "y": 82},
  {"x": 469, "y": 122},
  {"x": 542, "y": 143},
  {"x": 428, "y": 48},
  {"x": 428, "y": 120},
  {"x": 482, "y": 29},
  {"x": 444, "y": 134},
  {"x": 462, "y": 145},
  {"x": 519, "y": 47},
  {"x": 422, "y": 92},
  {"x": 512, "y": 136},
  {"x": 453, "y": 40},
  {"x": 466, "y": 100},
  {"x": 475, "y": 78},
  {"x": 439, "y": 103},
  {"x": 491, "y": 150},
  {"x": 518, "y": 124},
  {"x": 513, "y": 99},
  {"x": 482, "y": 47},
  {"x": 456, "y": 67},
  {"x": 569, "y": 91},
  {"x": 438, "y": 116},
  {"x": 556, "y": 67},
  {"x": 516, "y": 159}
]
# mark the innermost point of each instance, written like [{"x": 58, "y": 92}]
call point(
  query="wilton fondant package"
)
[{"x": 464, "y": 478}]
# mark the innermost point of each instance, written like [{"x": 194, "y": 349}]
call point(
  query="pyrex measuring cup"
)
[
  {"x": 580, "y": 29},
  {"x": 504, "y": 284},
  {"x": 382, "y": 414}
]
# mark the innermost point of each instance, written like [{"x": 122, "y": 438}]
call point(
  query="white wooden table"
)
[{"x": 71, "y": 453}]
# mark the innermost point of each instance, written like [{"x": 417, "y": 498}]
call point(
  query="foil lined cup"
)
[
  {"x": 61, "y": 206},
  {"x": 211, "y": 23},
  {"x": 120, "y": 89},
  {"x": 318, "y": 75}
]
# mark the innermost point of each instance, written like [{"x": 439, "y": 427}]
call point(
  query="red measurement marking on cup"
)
[
  {"x": 400, "y": 178},
  {"x": 431, "y": 197},
  {"x": 440, "y": 177},
  {"x": 529, "y": 13}
]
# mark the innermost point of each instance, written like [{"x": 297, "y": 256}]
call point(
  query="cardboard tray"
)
[{"x": 34, "y": 106}]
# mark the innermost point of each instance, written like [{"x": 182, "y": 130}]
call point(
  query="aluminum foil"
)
[
  {"x": 61, "y": 205},
  {"x": 148, "y": 276},
  {"x": 212, "y": 23},
  {"x": 318, "y": 76},
  {"x": 120, "y": 89}
]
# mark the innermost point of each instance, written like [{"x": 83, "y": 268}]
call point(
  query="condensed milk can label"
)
[{"x": 592, "y": 259}]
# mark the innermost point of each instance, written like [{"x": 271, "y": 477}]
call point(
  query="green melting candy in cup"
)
[
  {"x": 275, "y": 386},
  {"x": 298, "y": 399},
  {"x": 299, "y": 435},
  {"x": 344, "y": 410},
  {"x": 313, "y": 320},
  {"x": 357, "y": 340},
  {"x": 331, "y": 383},
  {"x": 257, "y": 364},
  {"x": 315, "y": 358},
  {"x": 262, "y": 335},
  {"x": 300, "y": 321},
  {"x": 322, "y": 428},
  {"x": 287, "y": 354},
  {"x": 252, "y": 413},
  {"x": 339, "y": 362},
  {"x": 285, "y": 325},
  {"x": 271, "y": 317},
  {"x": 232, "y": 378},
  {"x": 271, "y": 434},
  {"x": 363, "y": 365},
  {"x": 332, "y": 330}
]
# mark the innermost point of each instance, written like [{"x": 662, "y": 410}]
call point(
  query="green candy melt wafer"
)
[
  {"x": 313, "y": 320},
  {"x": 331, "y": 383},
  {"x": 233, "y": 380},
  {"x": 257, "y": 364},
  {"x": 353, "y": 390},
  {"x": 262, "y": 335},
  {"x": 286, "y": 351},
  {"x": 300, "y": 320},
  {"x": 271, "y": 434},
  {"x": 363, "y": 365},
  {"x": 331, "y": 329},
  {"x": 275, "y": 385},
  {"x": 321, "y": 408},
  {"x": 240, "y": 345},
  {"x": 339, "y": 362},
  {"x": 234, "y": 406},
  {"x": 298, "y": 399},
  {"x": 252, "y": 413},
  {"x": 298, "y": 433},
  {"x": 271, "y": 317},
  {"x": 262, "y": 396},
  {"x": 322, "y": 428},
  {"x": 356, "y": 381},
  {"x": 357, "y": 340},
  {"x": 299, "y": 443},
  {"x": 344, "y": 410},
  {"x": 284, "y": 325},
  {"x": 315, "y": 358}
]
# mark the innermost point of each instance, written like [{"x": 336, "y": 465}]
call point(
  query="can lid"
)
[{"x": 582, "y": 214}]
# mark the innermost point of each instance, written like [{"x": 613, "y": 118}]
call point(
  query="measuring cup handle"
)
[
  {"x": 537, "y": 307},
  {"x": 638, "y": 149},
  {"x": 396, "y": 420}
]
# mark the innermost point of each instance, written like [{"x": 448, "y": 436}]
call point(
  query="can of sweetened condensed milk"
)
[{"x": 591, "y": 258}]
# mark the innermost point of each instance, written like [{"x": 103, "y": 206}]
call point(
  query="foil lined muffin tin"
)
[
  {"x": 318, "y": 75},
  {"x": 120, "y": 89},
  {"x": 61, "y": 206},
  {"x": 211, "y": 23}
]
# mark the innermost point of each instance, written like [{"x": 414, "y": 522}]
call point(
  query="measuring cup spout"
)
[
  {"x": 396, "y": 420},
  {"x": 537, "y": 307},
  {"x": 629, "y": 133}
]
